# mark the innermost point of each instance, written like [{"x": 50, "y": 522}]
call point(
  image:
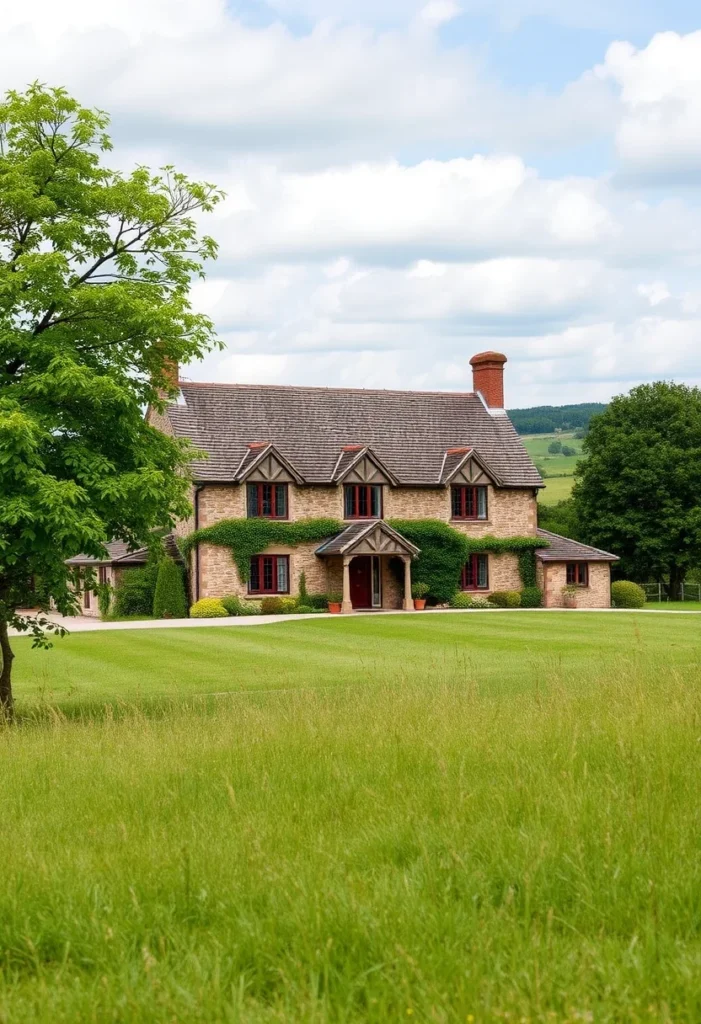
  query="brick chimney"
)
[
  {"x": 488, "y": 377},
  {"x": 171, "y": 372}
]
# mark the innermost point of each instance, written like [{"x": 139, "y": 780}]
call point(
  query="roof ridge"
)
[{"x": 319, "y": 387}]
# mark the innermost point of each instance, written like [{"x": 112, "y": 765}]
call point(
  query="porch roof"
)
[{"x": 375, "y": 532}]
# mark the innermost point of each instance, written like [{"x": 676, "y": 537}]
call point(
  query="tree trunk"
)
[
  {"x": 6, "y": 702},
  {"x": 676, "y": 578}
]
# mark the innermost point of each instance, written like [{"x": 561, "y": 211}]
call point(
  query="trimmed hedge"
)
[
  {"x": 169, "y": 600},
  {"x": 271, "y": 606},
  {"x": 506, "y": 598},
  {"x": 627, "y": 595},
  {"x": 208, "y": 608},
  {"x": 462, "y": 600}
]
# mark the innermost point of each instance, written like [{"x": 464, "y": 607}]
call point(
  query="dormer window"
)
[
  {"x": 469, "y": 502},
  {"x": 362, "y": 501},
  {"x": 266, "y": 501}
]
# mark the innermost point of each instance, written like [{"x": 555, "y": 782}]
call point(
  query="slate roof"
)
[
  {"x": 562, "y": 549},
  {"x": 118, "y": 551},
  {"x": 346, "y": 540},
  {"x": 410, "y": 431}
]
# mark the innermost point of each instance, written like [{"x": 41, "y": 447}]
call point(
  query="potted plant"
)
[
  {"x": 419, "y": 592},
  {"x": 569, "y": 596},
  {"x": 334, "y": 602}
]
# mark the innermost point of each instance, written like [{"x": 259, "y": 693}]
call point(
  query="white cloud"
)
[
  {"x": 659, "y": 135},
  {"x": 439, "y": 12}
]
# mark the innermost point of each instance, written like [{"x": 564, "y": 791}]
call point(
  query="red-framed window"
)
[
  {"x": 475, "y": 573},
  {"x": 469, "y": 502},
  {"x": 577, "y": 574},
  {"x": 86, "y": 592},
  {"x": 362, "y": 501},
  {"x": 269, "y": 574},
  {"x": 266, "y": 501}
]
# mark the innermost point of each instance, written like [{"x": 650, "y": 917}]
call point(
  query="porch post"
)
[
  {"x": 347, "y": 605},
  {"x": 408, "y": 600}
]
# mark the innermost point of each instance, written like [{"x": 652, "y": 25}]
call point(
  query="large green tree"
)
[
  {"x": 95, "y": 271},
  {"x": 638, "y": 491}
]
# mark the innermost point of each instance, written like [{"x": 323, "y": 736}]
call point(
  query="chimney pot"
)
[{"x": 488, "y": 377}]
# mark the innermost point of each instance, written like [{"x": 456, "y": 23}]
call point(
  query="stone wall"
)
[
  {"x": 552, "y": 577},
  {"x": 512, "y": 513}
]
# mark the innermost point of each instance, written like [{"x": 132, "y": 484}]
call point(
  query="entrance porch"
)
[{"x": 367, "y": 551}]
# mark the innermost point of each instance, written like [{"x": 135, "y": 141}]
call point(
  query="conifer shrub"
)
[
  {"x": 627, "y": 595},
  {"x": 169, "y": 601},
  {"x": 208, "y": 608},
  {"x": 531, "y": 597}
]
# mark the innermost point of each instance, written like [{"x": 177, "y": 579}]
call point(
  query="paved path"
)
[{"x": 86, "y": 624}]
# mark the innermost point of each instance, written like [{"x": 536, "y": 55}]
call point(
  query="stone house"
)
[
  {"x": 118, "y": 560},
  {"x": 365, "y": 457}
]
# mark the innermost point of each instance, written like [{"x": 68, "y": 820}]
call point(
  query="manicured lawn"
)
[
  {"x": 675, "y": 606},
  {"x": 490, "y": 647},
  {"x": 479, "y": 817}
]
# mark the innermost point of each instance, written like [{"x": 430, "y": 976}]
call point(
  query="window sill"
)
[
  {"x": 363, "y": 519},
  {"x": 455, "y": 519},
  {"x": 274, "y": 519}
]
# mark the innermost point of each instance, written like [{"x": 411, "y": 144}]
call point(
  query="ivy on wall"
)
[
  {"x": 248, "y": 537},
  {"x": 445, "y": 550}
]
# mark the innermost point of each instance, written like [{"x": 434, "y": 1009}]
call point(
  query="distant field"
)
[
  {"x": 560, "y": 468},
  {"x": 439, "y": 818}
]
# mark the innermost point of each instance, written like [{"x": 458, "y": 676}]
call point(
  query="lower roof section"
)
[{"x": 562, "y": 549}]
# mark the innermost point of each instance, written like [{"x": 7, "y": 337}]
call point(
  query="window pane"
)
[
  {"x": 481, "y": 502},
  {"x": 455, "y": 495},
  {"x": 267, "y": 574},
  {"x": 282, "y": 574},
  {"x": 376, "y": 584},
  {"x": 254, "y": 582},
  {"x": 267, "y": 500},
  {"x": 470, "y": 502},
  {"x": 377, "y": 502},
  {"x": 482, "y": 572},
  {"x": 571, "y": 573},
  {"x": 350, "y": 494},
  {"x": 281, "y": 501},
  {"x": 252, "y": 501},
  {"x": 469, "y": 574}
]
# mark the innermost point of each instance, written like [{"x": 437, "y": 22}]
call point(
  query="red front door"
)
[{"x": 361, "y": 581}]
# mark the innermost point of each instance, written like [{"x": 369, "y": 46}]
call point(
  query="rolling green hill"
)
[
  {"x": 546, "y": 419},
  {"x": 558, "y": 469}
]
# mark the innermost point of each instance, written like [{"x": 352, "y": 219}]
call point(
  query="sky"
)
[{"x": 410, "y": 182}]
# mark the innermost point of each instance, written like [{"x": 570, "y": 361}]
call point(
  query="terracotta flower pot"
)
[
  {"x": 334, "y": 609},
  {"x": 570, "y": 600},
  {"x": 419, "y": 603}
]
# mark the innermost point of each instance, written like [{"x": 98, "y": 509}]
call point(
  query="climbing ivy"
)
[
  {"x": 445, "y": 550},
  {"x": 248, "y": 537}
]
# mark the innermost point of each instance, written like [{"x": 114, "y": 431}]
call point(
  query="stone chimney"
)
[
  {"x": 171, "y": 372},
  {"x": 488, "y": 377}
]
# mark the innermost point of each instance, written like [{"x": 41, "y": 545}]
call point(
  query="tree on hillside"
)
[
  {"x": 555, "y": 447},
  {"x": 95, "y": 270},
  {"x": 637, "y": 491}
]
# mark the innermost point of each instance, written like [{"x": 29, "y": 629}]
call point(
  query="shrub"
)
[
  {"x": 419, "y": 590},
  {"x": 506, "y": 598},
  {"x": 555, "y": 447},
  {"x": 463, "y": 601},
  {"x": 334, "y": 598},
  {"x": 208, "y": 608},
  {"x": 303, "y": 595},
  {"x": 271, "y": 606},
  {"x": 627, "y": 595},
  {"x": 289, "y": 605},
  {"x": 232, "y": 603},
  {"x": 169, "y": 598},
  {"x": 135, "y": 591},
  {"x": 305, "y": 609},
  {"x": 105, "y": 593},
  {"x": 531, "y": 597},
  {"x": 251, "y": 608},
  {"x": 569, "y": 452},
  {"x": 317, "y": 601}
]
